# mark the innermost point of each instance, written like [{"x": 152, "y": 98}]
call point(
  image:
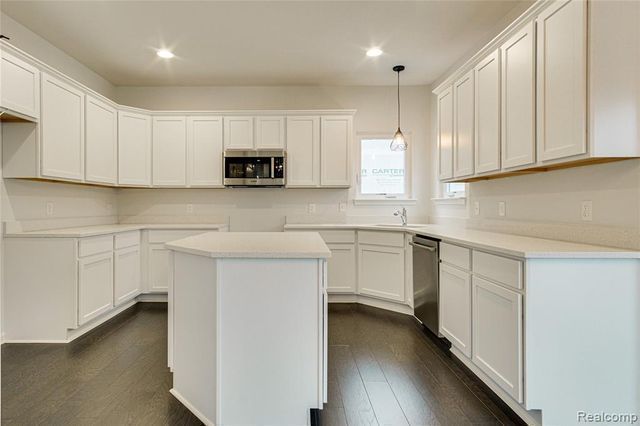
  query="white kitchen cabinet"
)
[
  {"x": 270, "y": 132},
  {"x": 303, "y": 151},
  {"x": 20, "y": 82},
  {"x": 62, "y": 130},
  {"x": 455, "y": 307},
  {"x": 562, "y": 80},
  {"x": 169, "y": 151},
  {"x": 158, "y": 263},
  {"x": 127, "y": 274},
  {"x": 463, "y": 122},
  {"x": 95, "y": 286},
  {"x": 517, "y": 58},
  {"x": 341, "y": 268},
  {"x": 445, "y": 133},
  {"x": 204, "y": 151},
  {"x": 381, "y": 271},
  {"x": 487, "y": 114},
  {"x": 134, "y": 149},
  {"x": 101, "y": 142},
  {"x": 238, "y": 133},
  {"x": 497, "y": 335},
  {"x": 335, "y": 150}
]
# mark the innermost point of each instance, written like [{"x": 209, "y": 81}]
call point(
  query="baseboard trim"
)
[
  {"x": 371, "y": 301},
  {"x": 191, "y": 408}
]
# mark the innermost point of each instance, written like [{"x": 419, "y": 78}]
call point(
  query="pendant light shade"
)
[{"x": 398, "y": 143}]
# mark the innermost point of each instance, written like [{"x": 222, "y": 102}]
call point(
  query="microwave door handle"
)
[{"x": 273, "y": 167}]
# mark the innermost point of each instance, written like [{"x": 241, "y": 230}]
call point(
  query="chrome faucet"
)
[{"x": 403, "y": 215}]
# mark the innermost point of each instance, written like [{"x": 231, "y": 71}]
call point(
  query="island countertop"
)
[{"x": 265, "y": 245}]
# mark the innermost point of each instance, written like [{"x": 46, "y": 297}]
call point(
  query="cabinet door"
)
[
  {"x": 517, "y": 61},
  {"x": 497, "y": 335},
  {"x": 270, "y": 132},
  {"x": 445, "y": 134},
  {"x": 303, "y": 151},
  {"x": 169, "y": 151},
  {"x": 562, "y": 80},
  {"x": 20, "y": 84},
  {"x": 455, "y": 307},
  {"x": 204, "y": 151},
  {"x": 101, "y": 144},
  {"x": 127, "y": 274},
  {"x": 134, "y": 149},
  {"x": 95, "y": 286},
  {"x": 238, "y": 133},
  {"x": 381, "y": 272},
  {"x": 463, "y": 120},
  {"x": 62, "y": 130},
  {"x": 342, "y": 268},
  {"x": 158, "y": 258},
  {"x": 335, "y": 149},
  {"x": 487, "y": 114}
]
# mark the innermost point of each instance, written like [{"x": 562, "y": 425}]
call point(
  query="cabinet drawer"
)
[
  {"x": 501, "y": 269},
  {"x": 338, "y": 236},
  {"x": 455, "y": 255},
  {"x": 94, "y": 245},
  {"x": 164, "y": 236},
  {"x": 381, "y": 238},
  {"x": 127, "y": 239}
]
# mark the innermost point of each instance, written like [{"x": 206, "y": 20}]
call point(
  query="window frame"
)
[
  {"x": 447, "y": 193},
  {"x": 408, "y": 160}
]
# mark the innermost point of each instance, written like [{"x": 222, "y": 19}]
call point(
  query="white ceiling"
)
[{"x": 262, "y": 42}]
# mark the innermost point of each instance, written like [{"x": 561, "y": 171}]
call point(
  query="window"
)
[
  {"x": 384, "y": 174},
  {"x": 455, "y": 190}
]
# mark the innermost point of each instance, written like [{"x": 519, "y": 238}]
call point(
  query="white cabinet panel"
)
[
  {"x": 303, "y": 151},
  {"x": 20, "y": 84},
  {"x": 101, "y": 144},
  {"x": 341, "y": 268},
  {"x": 62, "y": 130},
  {"x": 335, "y": 149},
  {"x": 127, "y": 274},
  {"x": 562, "y": 80},
  {"x": 204, "y": 151},
  {"x": 381, "y": 272},
  {"x": 169, "y": 151},
  {"x": 158, "y": 258},
  {"x": 517, "y": 56},
  {"x": 134, "y": 149},
  {"x": 463, "y": 121},
  {"x": 497, "y": 335},
  {"x": 455, "y": 307},
  {"x": 445, "y": 134},
  {"x": 95, "y": 286},
  {"x": 238, "y": 133},
  {"x": 487, "y": 114},
  {"x": 270, "y": 132}
]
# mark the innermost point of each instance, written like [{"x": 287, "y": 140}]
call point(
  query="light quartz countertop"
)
[
  {"x": 273, "y": 245},
  {"x": 508, "y": 244},
  {"x": 90, "y": 231}
]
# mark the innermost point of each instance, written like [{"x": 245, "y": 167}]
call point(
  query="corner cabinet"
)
[
  {"x": 101, "y": 142},
  {"x": 335, "y": 150},
  {"x": 20, "y": 82},
  {"x": 381, "y": 265},
  {"x": 134, "y": 149},
  {"x": 169, "y": 137}
]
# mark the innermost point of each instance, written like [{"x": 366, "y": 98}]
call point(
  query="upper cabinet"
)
[
  {"x": 463, "y": 121},
  {"x": 169, "y": 151},
  {"x": 134, "y": 149},
  {"x": 238, "y": 133},
  {"x": 62, "y": 129},
  {"x": 101, "y": 142},
  {"x": 20, "y": 83},
  {"x": 559, "y": 87},
  {"x": 270, "y": 132},
  {"x": 335, "y": 148},
  {"x": 303, "y": 151},
  {"x": 204, "y": 151}
]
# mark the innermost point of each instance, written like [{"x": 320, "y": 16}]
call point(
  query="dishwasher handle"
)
[{"x": 431, "y": 249}]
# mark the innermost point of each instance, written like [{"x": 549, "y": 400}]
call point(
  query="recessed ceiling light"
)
[
  {"x": 374, "y": 51},
  {"x": 166, "y": 54}
]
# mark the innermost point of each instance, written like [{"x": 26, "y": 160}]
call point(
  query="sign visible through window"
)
[{"x": 382, "y": 171}]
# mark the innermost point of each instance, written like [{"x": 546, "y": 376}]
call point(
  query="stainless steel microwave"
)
[{"x": 254, "y": 168}]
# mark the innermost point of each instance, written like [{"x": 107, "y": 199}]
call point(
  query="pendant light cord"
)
[{"x": 398, "y": 99}]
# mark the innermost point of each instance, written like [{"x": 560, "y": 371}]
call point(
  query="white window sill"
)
[
  {"x": 384, "y": 201},
  {"x": 459, "y": 201}
]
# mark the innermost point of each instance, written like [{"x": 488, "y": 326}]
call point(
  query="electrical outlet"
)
[
  {"x": 189, "y": 208},
  {"x": 502, "y": 208},
  {"x": 476, "y": 208},
  {"x": 311, "y": 208},
  {"x": 49, "y": 208},
  {"x": 587, "y": 210},
  {"x": 342, "y": 207}
]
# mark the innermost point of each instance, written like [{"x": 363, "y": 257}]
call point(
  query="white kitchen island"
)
[{"x": 249, "y": 326}]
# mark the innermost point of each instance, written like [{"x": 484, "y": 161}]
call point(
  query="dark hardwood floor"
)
[{"x": 383, "y": 369}]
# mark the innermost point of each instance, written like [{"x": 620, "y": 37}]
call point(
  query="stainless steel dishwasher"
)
[{"x": 426, "y": 287}]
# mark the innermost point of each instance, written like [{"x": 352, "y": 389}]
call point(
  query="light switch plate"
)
[
  {"x": 311, "y": 208},
  {"x": 587, "y": 211},
  {"x": 476, "y": 208},
  {"x": 502, "y": 208},
  {"x": 342, "y": 207},
  {"x": 189, "y": 208}
]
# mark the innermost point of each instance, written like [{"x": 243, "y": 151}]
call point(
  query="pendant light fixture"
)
[{"x": 398, "y": 142}]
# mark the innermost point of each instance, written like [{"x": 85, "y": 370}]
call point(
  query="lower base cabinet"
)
[
  {"x": 455, "y": 307},
  {"x": 95, "y": 286},
  {"x": 341, "y": 268},
  {"x": 381, "y": 271},
  {"x": 158, "y": 268},
  {"x": 497, "y": 335},
  {"x": 126, "y": 274}
]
